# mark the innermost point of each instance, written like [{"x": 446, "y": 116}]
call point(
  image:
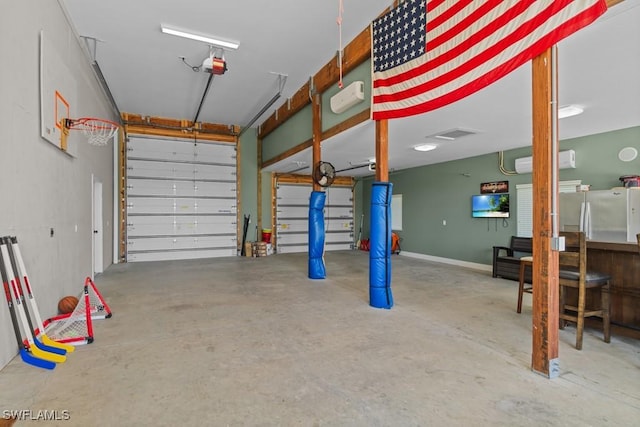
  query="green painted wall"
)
[
  {"x": 440, "y": 192},
  {"x": 361, "y": 72},
  {"x": 294, "y": 131},
  {"x": 249, "y": 180},
  {"x": 298, "y": 128}
]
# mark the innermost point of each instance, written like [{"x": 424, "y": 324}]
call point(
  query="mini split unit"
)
[
  {"x": 347, "y": 97},
  {"x": 566, "y": 160}
]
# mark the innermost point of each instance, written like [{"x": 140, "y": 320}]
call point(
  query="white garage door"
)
[
  {"x": 181, "y": 199},
  {"x": 292, "y": 218}
]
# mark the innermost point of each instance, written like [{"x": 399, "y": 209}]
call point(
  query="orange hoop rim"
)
[{"x": 90, "y": 123}]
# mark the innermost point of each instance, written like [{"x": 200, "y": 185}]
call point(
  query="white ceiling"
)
[{"x": 598, "y": 69}]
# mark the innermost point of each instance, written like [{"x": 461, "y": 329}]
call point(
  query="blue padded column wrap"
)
[
  {"x": 316, "y": 235},
  {"x": 380, "y": 246}
]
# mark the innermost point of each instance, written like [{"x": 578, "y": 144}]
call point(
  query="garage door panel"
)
[
  {"x": 208, "y": 152},
  {"x": 180, "y": 242},
  {"x": 290, "y": 238},
  {"x": 155, "y": 169},
  {"x": 215, "y": 172},
  {"x": 340, "y": 196},
  {"x": 181, "y": 199},
  {"x": 300, "y": 226},
  {"x": 338, "y": 212},
  {"x": 289, "y": 249},
  {"x": 180, "y": 171},
  {"x": 292, "y": 212},
  {"x": 339, "y": 226},
  {"x": 167, "y": 225},
  {"x": 160, "y": 187},
  {"x": 160, "y": 149},
  {"x": 219, "y": 189},
  {"x": 293, "y": 238},
  {"x": 157, "y": 205},
  {"x": 294, "y": 194},
  {"x": 181, "y": 254}
]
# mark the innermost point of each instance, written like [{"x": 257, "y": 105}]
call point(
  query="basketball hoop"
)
[{"x": 97, "y": 131}]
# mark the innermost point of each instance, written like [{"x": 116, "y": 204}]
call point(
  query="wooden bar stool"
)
[
  {"x": 525, "y": 261},
  {"x": 574, "y": 274}
]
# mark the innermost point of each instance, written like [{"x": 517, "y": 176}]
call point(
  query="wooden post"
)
[
  {"x": 382, "y": 150},
  {"x": 258, "y": 221},
  {"x": 544, "y": 359},
  {"x": 317, "y": 134}
]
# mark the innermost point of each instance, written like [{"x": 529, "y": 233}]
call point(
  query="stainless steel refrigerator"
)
[{"x": 604, "y": 215}]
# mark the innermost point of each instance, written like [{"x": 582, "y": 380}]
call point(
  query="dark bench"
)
[{"x": 506, "y": 260}]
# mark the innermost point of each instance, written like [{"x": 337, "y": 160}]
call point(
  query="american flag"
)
[{"x": 427, "y": 54}]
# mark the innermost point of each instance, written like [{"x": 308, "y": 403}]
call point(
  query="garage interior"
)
[
  {"x": 201, "y": 335},
  {"x": 251, "y": 341}
]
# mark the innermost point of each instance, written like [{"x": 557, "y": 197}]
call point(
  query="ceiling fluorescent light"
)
[
  {"x": 226, "y": 44},
  {"x": 569, "y": 110},
  {"x": 446, "y": 138},
  {"x": 425, "y": 147}
]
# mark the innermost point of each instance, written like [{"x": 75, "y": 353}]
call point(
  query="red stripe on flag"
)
[
  {"x": 570, "y": 26},
  {"x": 490, "y": 53},
  {"x": 449, "y": 13}
]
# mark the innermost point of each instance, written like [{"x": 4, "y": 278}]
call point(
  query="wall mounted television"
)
[{"x": 490, "y": 206}]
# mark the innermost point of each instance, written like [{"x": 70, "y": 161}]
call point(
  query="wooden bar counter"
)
[{"x": 622, "y": 262}]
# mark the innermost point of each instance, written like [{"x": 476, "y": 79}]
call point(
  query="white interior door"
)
[{"x": 98, "y": 266}]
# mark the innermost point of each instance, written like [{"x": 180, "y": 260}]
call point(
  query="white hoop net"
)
[{"x": 98, "y": 132}]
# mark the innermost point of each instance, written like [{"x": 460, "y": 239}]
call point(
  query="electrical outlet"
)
[{"x": 444, "y": 222}]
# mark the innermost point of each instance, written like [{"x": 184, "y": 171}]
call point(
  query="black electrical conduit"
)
[{"x": 204, "y": 96}]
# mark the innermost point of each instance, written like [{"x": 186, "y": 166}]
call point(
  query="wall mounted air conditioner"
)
[
  {"x": 566, "y": 160},
  {"x": 347, "y": 97}
]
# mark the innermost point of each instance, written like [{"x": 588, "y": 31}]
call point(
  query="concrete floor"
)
[{"x": 252, "y": 341}]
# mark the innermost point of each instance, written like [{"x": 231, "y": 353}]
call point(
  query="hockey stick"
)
[
  {"x": 21, "y": 271},
  {"x": 24, "y": 354},
  {"x": 360, "y": 232},
  {"x": 245, "y": 227},
  {"x": 39, "y": 350},
  {"x": 13, "y": 270}
]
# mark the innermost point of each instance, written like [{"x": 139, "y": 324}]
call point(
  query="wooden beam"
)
[
  {"x": 176, "y": 128},
  {"x": 347, "y": 124},
  {"x": 355, "y": 53},
  {"x": 297, "y": 102},
  {"x": 289, "y": 178},
  {"x": 122, "y": 195},
  {"x": 259, "y": 219},
  {"x": 317, "y": 136},
  {"x": 544, "y": 359},
  {"x": 382, "y": 150},
  {"x": 290, "y": 152}
]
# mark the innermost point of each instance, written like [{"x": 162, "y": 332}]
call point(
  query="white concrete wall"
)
[{"x": 42, "y": 188}]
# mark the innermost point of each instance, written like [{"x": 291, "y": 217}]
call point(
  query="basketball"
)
[{"x": 67, "y": 304}]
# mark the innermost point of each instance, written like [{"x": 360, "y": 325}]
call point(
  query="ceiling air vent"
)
[{"x": 452, "y": 134}]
